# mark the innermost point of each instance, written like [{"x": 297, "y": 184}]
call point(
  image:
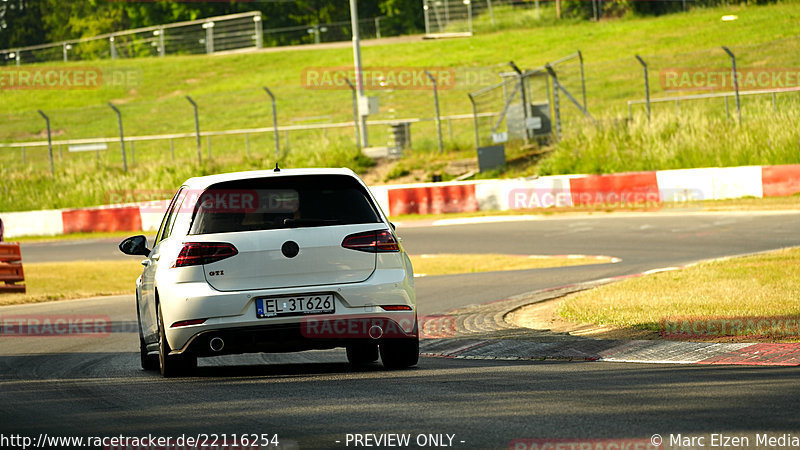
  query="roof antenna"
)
[{"x": 277, "y": 169}]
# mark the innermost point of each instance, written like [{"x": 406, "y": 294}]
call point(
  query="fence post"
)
[
  {"x": 274, "y": 123},
  {"x": 646, "y": 84},
  {"x": 436, "y": 104},
  {"x": 197, "y": 130},
  {"x": 133, "y": 152},
  {"x": 556, "y": 102},
  {"x": 491, "y": 12},
  {"x": 113, "y": 47},
  {"x": 377, "y": 28},
  {"x": 524, "y": 98},
  {"x": 583, "y": 81},
  {"x": 172, "y": 147},
  {"x": 247, "y": 144},
  {"x": 65, "y": 49},
  {"x": 475, "y": 121},
  {"x": 355, "y": 112},
  {"x": 49, "y": 141},
  {"x": 735, "y": 82},
  {"x": 208, "y": 145},
  {"x": 121, "y": 136},
  {"x": 24, "y": 158}
]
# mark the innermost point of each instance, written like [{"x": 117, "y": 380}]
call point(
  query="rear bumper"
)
[
  {"x": 354, "y": 304},
  {"x": 320, "y": 334}
]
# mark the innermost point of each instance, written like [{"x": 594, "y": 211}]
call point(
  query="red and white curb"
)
[{"x": 649, "y": 188}]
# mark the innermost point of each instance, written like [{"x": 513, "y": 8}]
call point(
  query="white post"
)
[{"x": 359, "y": 77}]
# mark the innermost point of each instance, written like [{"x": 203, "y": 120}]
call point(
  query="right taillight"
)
[
  {"x": 372, "y": 241},
  {"x": 197, "y": 253}
]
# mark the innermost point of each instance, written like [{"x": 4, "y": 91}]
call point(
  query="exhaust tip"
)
[
  {"x": 375, "y": 332},
  {"x": 216, "y": 344}
]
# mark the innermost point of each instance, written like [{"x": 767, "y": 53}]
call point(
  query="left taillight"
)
[
  {"x": 372, "y": 241},
  {"x": 197, "y": 253}
]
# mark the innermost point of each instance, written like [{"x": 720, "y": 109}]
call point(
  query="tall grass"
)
[{"x": 692, "y": 139}]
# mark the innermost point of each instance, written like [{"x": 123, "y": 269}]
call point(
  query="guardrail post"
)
[
  {"x": 735, "y": 82},
  {"x": 121, "y": 136},
  {"x": 209, "y": 27},
  {"x": 49, "y": 141},
  {"x": 259, "y": 31},
  {"x": 274, "y": 123},
  {"x": 162, "y": 42},
  {"x": 355, "y": 112},
  {"x": 646, "y": 84},
  {"x": 113, "y": 47},
  {"x": 436, "y": 104},
  {"x": 197, "y": 130}
]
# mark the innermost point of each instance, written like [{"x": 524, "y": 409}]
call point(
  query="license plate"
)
[{"x": 299, "y": 305}]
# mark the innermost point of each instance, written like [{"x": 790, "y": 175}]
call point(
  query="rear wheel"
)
[
  {"x": 172, "y": 365},
  {"x": 400, "y": 353},
  {"x": 362, "y": 353},
  {"x": 149, "y": 362}
]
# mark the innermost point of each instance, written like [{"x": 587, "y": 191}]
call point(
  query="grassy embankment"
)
[{"x": 228, "y": 90}]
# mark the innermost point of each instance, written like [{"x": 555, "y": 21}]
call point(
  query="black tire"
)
[
  {"x": 400, "y": 353},
  {"x": 358, "y": 354},
  {"x": 148, "y": 362},
  {"x": 172, "y": 365}
]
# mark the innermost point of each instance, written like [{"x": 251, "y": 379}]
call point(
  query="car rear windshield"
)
[{"x": 282, "y": 202}]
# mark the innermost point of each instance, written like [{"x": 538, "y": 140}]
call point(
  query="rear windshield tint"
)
[{"x": 282, "y": 202}]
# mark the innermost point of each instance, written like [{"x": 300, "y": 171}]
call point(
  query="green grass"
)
[
  {"x": 765, "y": 285},
  {"x": 228, "y": 90},
  {"x": 76, "y": 279}
]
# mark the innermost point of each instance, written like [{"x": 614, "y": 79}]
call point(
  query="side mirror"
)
[{"x": 135, "y": 245}]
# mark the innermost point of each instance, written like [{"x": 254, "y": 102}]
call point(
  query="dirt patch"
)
[{"x": 382, "y": 172}]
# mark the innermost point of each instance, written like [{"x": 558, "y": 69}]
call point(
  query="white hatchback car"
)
[{"x": 274, "y": 261}]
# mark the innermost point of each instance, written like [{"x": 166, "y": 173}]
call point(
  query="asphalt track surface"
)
[{"x": 82, "y": 386}]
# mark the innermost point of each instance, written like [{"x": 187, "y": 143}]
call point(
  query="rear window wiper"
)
[{"x": 296, "y": 223}]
